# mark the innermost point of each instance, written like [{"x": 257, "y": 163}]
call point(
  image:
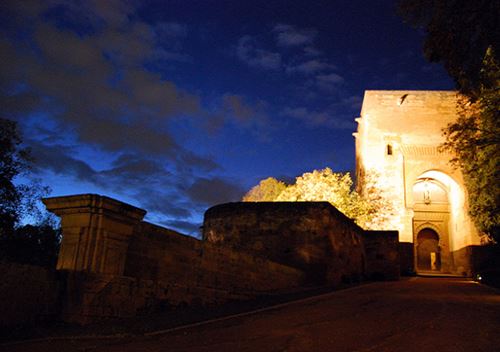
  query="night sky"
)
[{"x": 174, "y": 106}]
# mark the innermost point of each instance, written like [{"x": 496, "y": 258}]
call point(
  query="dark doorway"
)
[{"x": 428, "y": 257}]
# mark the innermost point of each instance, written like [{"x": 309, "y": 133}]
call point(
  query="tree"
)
[
  {"x": 324, "y": 185},
  {"x": 31, "y": 244},
  {"x": 267, "y": 190},
  {"x": 474, "y": 138},
  {"x": 381, "y": 213},
  {"x": 458, "y": 34},
  {"x": 463, "y": 35},
  {"x": 13, "y": 161}
]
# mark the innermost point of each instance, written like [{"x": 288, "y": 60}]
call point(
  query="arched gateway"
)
[
  {"x": 428, "y": 251},
  {"x": 398, "y": 139}
]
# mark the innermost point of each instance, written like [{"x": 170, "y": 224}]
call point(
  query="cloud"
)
[
  {"x": 95, "y": 93},
  {"x": 188, "y": 161},
  {"x": 185, "y": 226},
  {"x": 314, "y": 118},
  {"x": 171, "y": 37},
  {"x": 236, "y": 109},
  {"x": 134, "y": 168},
  {"x": 113, "y": 12},
  {"x": 311, "y": 118},
  {"x": 94, "y": 84},
  {"x": 309, "y": 67},
  {"x": 353, "y": 102},
  {"x": 126, "y": 172},
  {"x": 235, "y": 106},
  {"x": 287, "y": 35},
  {"x": 312, "y": 51},
  {"x": 211, "y": 191},
  {"x": 163, "y": 202},
  {"x": 331, "y": 78},
  {"x": 250, "y": 53},
  {"x": 56, "y": 158},
  {"x": 148, "y": 181},
  {"x": 329, "y": 81}
]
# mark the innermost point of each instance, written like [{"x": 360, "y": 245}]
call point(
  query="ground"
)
[{"x": 417, "y": 314}]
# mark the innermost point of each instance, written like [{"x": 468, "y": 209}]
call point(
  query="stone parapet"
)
[
  {"x": 117, "y": 265},
  {"x": 312, "y": 236},
  {"x": 96, "y": 231}
]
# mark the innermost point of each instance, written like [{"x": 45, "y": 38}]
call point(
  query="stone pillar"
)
[{"x": 96, "y": 231}]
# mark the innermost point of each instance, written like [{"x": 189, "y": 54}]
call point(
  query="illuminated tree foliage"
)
[
  {"x": 267, "y": 190},
  {"x": 463, "y": 35},
  {"x": 325, "y": 185},
  {"x": 381, "y": 213}
]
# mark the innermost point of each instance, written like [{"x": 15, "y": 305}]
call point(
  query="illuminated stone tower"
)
[{"x": 398, "y": 136}]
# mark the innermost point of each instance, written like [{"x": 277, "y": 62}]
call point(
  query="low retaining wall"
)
[
  {"x": 160, "y": 254},
  {"x": 471, "y": 260},
  {"x": 312, "y": 236},
  {"x": 382, "y": 255},
  {"x": 165, "y": 269},
  {"x": 406, "y": 258},
  {"x": 117, "y": 265},
  {"x": 28, "y": 294}
]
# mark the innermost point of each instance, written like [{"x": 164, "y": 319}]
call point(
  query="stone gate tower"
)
[{"x": 398, "y": 136}]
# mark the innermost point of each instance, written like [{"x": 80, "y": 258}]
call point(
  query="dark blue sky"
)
[{"x": 175, "y": 106}]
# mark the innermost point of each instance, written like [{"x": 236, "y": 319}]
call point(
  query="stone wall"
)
[
  {"x": 165, "y": 269},
  {"x": 312, "y": 236},
  {"x": 382, "y": 255},
  {"x": 117, "y": 265},
  {"x": 28, "y": 294},
  {"x": 97, "y": 297},
  {"x": 472, "y": 260},
  {"x": 406, "y": 258},
  {"x": 156, "y": 253}
]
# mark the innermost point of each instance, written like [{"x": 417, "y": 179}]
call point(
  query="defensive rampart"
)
[
  {"x": 312, "y": 236},
  {"x": 120, "y": 266},
  {"x": 112, "y": 264}
]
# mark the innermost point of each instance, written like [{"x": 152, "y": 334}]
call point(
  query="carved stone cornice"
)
[
  {"x": 430, "y": 216},
  {"x": 422, "y": 150}
]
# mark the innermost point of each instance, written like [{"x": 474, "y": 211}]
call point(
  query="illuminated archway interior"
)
[{"x": 438, "y": 206}]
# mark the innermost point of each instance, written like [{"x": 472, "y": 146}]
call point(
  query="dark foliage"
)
[
  {"x": 32, "y": 244},
  {"x": 13, "y": 161},
  {"x": 458, "y": 33},
  {"x": 29, "y": 244},
  {"x": 475, "y": 140}
]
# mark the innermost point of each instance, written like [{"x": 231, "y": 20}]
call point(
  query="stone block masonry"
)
[
  {"x": 112, "y": 264},
  {"x": 398, "y": 139},
  {"x": 311, "y": 236},
  {"x": 120, "y": 266}
]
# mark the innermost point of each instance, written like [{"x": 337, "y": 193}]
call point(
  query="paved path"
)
[{"x": 420, "y": 314}]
